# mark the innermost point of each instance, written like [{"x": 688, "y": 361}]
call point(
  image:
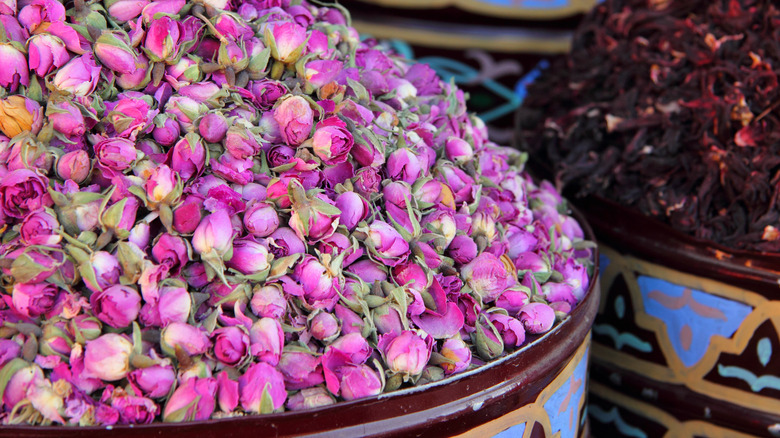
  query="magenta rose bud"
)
[
  {"x": 261, "y": 219},
  {"x": 108, "y": 357},
  {"x": 321, "y": 72},
  {"x": 300, "y": 370},
  {"x": 166, "y": 130},
  {"x": 172, "y": 252},
  {"x": 155, "y": 381},
  {"x": 462, "y": 249},
  {"x": 407, "y": 353},
  {"x": 215, "y": 233},
  {"x": 319, "y": 284},
  {"x": 458, "y": 150},
  {"x": 227, "y": 392},
  {"x": 213, "y": 127},
  {"x": 116, "y": 154},
  {"x": 15, "y": 69},
  {"x": 403, "y": 165},
  {"x": 511, "y": 330},
  {"x": 231, "y": 345},
  {"x": 359, "y": 381},
  {"x": 487, "y": 276},
  {"x": 295, "y": 118},
  {"x": 558, "y": 292},
  {"x": 34, "y": 299},
  {"x": 354, "y": 208},
  {"x": 79, "y": 76},
  {"x": 388, "y": 243},
  {"x": 39, "y": 228},
  {"x": 188, "y": 215},
  {"x": 267, "y": 340},
  {"x": 193, "y": 400},
  {"x": 23, "y": 191},
  {"x": 458, "y": 354},
  {"x": 332, "y": 141},
  {"x": 66, "y": 118},
  {"x": 126, "y": 10},
  {"x": 324, "y": 326},
  {"x": 190, "y": 339},
  {"x": 116, "y": 306},
  {"x": 249, "y": 257},
  {"x": 46, "y": 53},
  {"x": 241, "y": 143},
  {"x": 513, "y": 300},
  {"x": 188, "y": 157},
  {"x": 74, "y": 165},
  {"x": 163, "y": 40},
  {"x": 537, "y": 317},
  {"x": 114, "y": 51},
  {"x": 387, "y": 319},
  {"x": 287, "y": 41},
  {"x": 260, "y": 378}
]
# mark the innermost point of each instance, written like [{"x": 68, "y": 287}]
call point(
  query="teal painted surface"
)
[{"x": 612, "y": 416}]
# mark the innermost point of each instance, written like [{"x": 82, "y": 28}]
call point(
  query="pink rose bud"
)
[
  {"x": 441, "y": 222},
  {"x": 192, "y": 340},
  {"x": 139, "y": 78},
  {"x": 561, "y": 307},
  {"x": 388, "y": 244},
  {"x": 74, "y": 165},
  {"x": 34, "y": 299},
  {"x": 323, "y": 219},
  {"x": 188, "y": 214},
  {"x": 267, "y": 340},
  {"x": 318, "y": 283},
  {"x": 66, "y": 118},
  {"x": 38, "y": 12},
  {"x": 284, "y": 242},
  {"x": 140, "y": 235},
  {"x": 428, "y": 191},
  {"x": 321, "y": 72},
  {"x": 172, "y": 252},
  {"x": 116, "y": 154},
  {"x": 359, "y": 381},
  {"x": 332, "y": 141},
  {"x": 287, "y": 41},
  {"x": 368, "y": 271},
  {"x": 134, "y": 409},
  {"x": 9, "y": 349},
  {"x": 116, "y": 306},
  {"x": 558, "y": 292},
  {"x": 155, "y": 381},
  {"x": 8, "y": 7},
  {"x": 108, "y": 357},
  {"x": 261, "y": 219},
  {"x": 324, "y": 326},
  {"x": 295, "y": 118},
  {"x": 120, "y": 217},
  {"x": 300, "y": 370},
  {"x": 388, "y": 319},
  {"x": 231, "y": 345},
  {"x": 268, "y": 302},
  {"x": 458, "y": 150},
  {"x": 106, "y": 268},
  {"x": 403, "y": 165},
  {"x": 125, "y": 10},
  {"x": 193, "y": 400},
  {"x": 213, "y": 127},
  {"x": 462, "y": 249},
  {"x": 20, "y": 382},
  {"x": 166, "y": 130},
  {"x": 354, "y": 208},
  {"x": 458, "y": 353},
  {"x": 186, "y": 110},
  {"x": 537, "y": 318},
  {"x": 39, "y": 228},
  {"x": 79, "y": 76},
  {"x": 163, "y": 40},
  {"x": 266, "y": 92},
  {"x": 188, "y": 157},
  {"x": 227, "y": 392},
  {"x": 214, "y": 233},
  {"x": 487, "y": 276},
  {"x": 86, "y": 327},
  {"x": 487, "y": 340},
  {"x": 397, "y": 193},
  {"x": 531, "y": 261},
  {"x": 16, "y": 70},
  {"x": 511, "y": 330},
  {"x": 161, "y": 185},
  {"x": 407, "y": 353},
  {"x": 513, "y": 300},
  {"x": 520, "y": 241},
  {"x": 46, "y": 53},
  {"x": 411, "y": 275},
  {"x": 23, "y": 191},
  {"x": 309, "y": 398},
  {"x": 115, "y": 52},
  {"x": 175, "y": 305},
  {"x": 261, "y": 381},
  {"x": 241, "y": 143}
]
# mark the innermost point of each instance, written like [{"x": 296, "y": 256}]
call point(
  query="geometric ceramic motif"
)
[
  {"x": 691, "y": 317},
  {"x": 563, "y": 406}
]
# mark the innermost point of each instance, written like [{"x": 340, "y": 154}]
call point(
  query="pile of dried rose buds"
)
[{"x": 209, "y": 211}]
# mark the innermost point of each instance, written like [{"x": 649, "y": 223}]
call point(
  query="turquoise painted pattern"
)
[
  {"x": 612, "y": 416},
  {"x": 691, "y": 317},
  {"x": 563, "y": 406}
]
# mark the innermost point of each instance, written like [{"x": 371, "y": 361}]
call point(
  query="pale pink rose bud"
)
[
  {"x": 231, "y": 345},
  {"x": 353, "y": 345},
  {"x": 106, "y": 268},
  {"x": 368, "y": 271},
  {"x": 20, "y": 382},
  {"x": 458, "y": 150},
  {"x": 537, "y": 317},
  {"x": 174, "y": 306},
  {"x": 213, "y": 127},
  {"x": 300, "y": 370},
  {"x": 139, "y": 78},
  {"x": 295, "y": 118},
  {"x": 287, "y": 41},
  {"x": 513, "y": 300},
  {"x": 407, "y": 353},
  {"x": 15, "y": 69},
  {"x": 46, "y": 53},
  {"x": 249, "y": 257},
  {"x": 429, "y": 192},
  {"x": 258, "y": 379},
  {"x": 85, "y": 326},
  {"x": 324, "y": 326},
  {"x": 161, "y": 185},
  {"x": 397, "y": 193},
  {"x": 215, "y": 232},
  {"x": 227, "y": 392},
  {"x": 267, "y": 340},
  {"x": 359, "y": 381},
  {"x": 261, "y": 219},
  {"x": 511, "y": 330},
  {"x": 34, "y": 299},
  {"x": 125, "y": 10},
  {"x": 74, "y": 165},
  {"x": 391, "y": 248},
  {"x": 193, "y": 400},
  {"x": 140, "y": 235},
  {"x": 38, "y": 12},
  {"x": 155, "y": 381},
  {"x": 354, "y": 208},
  {"x": 487, "y": 276},
  {"x": 192, "y": 340},
  {"x": 116, "y": 306},
  {"x": 309, "y": 398},
  {"x": 458, "y": 352},
  {"x": 39, "y": 228},
  {"x": 268, "y": 302},
  {"x": 79, "y": 76},
  {"x": 108, "y": 357},
  {"x": 441, "y": 222}
]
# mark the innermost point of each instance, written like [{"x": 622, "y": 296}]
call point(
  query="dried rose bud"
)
[
  {"x": 309, "y": 398},
  {"x": 332, "y": 141},
  {"x": 359, "y": 381},
  {"x": 227, "y": 392},
  {"x": 47, "y": 53},
  {"x": 215, "y": 233},
  {"x": 537, "y": 317},
  {"x": 163, "y": 42},
  {"x": 79, "y": 76},
  {"x": 295, "y": 118},
  {"x": 193, "y": 400},
  {"x": 268, "y": 301},
  {"x": 115, "y": 52},
  {"x": 231, "y": 345},
  {"x": 324, "y": 326},
  {"x": 191, "y": 340},
  {"x": 116, "y": 306},
  {"x": 125, "y": 10},
  {"x": 458, "y": 150},
  {"x": 188, "y": 156},
  {"x": 213, "y": 127},
  {"x": 39, "y": 228},
  {"x": 511, "y": 330},
  {"x": 458, "y": 353},
  {"x": 108, "y": 357},
  {"x": 155, "y": 381},
  {"x": 74, "y": 165},
  {"x": 388, "y": 244},
  {"x": 19, "y": 114},
  {"x": 487, "y": 276},
  {"x": 267, "y": 340},
  {"x": 34, "y": 299},
  {"x": 407, "y": 353},
  {"x": 259, "y": 381},
  {"x": 16, "y": 71},
  {"x": 287, "y": 41},
  {"x": 166, "y": 130}
]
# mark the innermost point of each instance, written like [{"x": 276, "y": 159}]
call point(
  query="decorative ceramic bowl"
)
[{"x": 687, "y": 336}]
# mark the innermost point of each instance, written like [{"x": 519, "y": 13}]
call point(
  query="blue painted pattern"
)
[
  {"x": 515, "y": 431},
  {"x": 563, "y": 407},
  {"x": 691, "y": 317}
]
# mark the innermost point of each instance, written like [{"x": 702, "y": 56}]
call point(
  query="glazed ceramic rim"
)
[{"x": 559, "y": 347}]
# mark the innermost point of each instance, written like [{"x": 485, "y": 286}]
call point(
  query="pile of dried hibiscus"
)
[{"x": 670, "y": 108}]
